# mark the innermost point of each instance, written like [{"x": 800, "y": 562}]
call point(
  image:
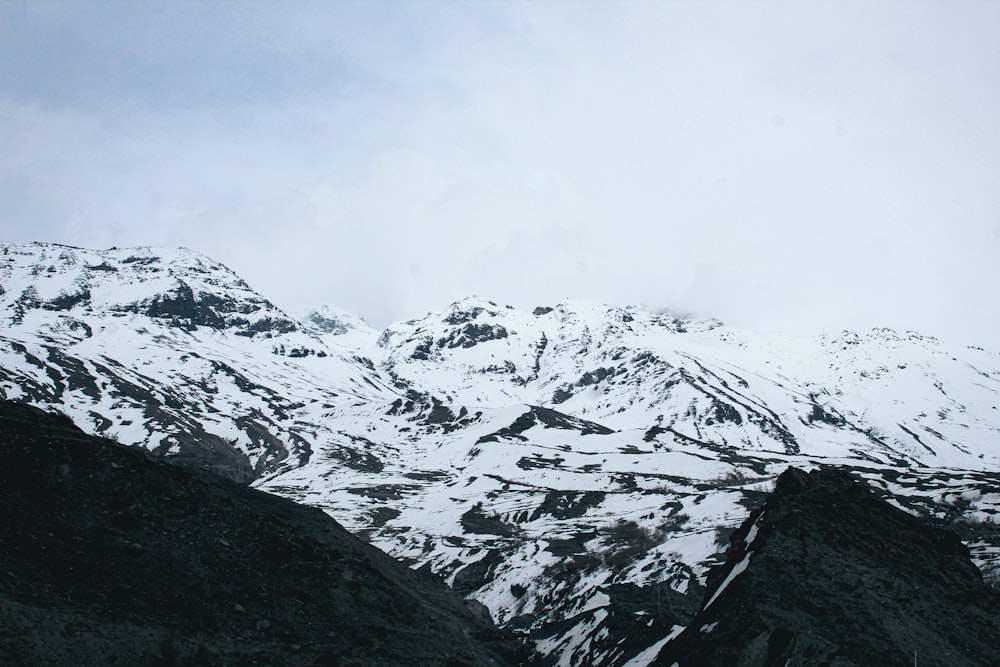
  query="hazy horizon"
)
[{"x": 802, "y": 166}]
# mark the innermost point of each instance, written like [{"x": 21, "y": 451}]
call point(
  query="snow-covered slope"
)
[
  {"x": 896, "y": 396},
  {"x": 576, "y": 468},
  {"x": 172, "y": 351},
  {"x": 600, "y": 455}
]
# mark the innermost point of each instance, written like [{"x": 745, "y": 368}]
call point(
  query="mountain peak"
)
[
  {"x": 176, "y": 285},
  {"x": 327, "y": 319}
]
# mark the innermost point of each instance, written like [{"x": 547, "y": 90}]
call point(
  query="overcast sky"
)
[{"x": 809, "y": 165}]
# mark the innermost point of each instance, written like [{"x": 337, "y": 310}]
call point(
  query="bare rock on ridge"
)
[{"x": 826, "y": 573}]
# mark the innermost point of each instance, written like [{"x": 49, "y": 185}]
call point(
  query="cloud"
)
[{"x": 804, "y": 165}]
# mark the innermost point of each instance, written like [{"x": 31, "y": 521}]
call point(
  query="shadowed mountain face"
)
[
  {"x": 826, "y": 573},
  {"x": 109, "y": 557}
]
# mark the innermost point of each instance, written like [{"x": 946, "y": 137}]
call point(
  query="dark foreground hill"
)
[
  {"x": 108, "y": 557},
  {"x": 826, "y": 573}
]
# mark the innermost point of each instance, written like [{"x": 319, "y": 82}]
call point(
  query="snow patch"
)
[{"x": 735, "y": 572}]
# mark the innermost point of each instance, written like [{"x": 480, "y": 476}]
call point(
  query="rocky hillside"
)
[
  {"x": 576, "y": 468},
  {"x": 825, "y": 572},
  {"x": 109, "y": 557}
]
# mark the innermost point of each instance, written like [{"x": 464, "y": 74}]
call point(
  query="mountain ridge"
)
[{"x": 575, "y": 468}]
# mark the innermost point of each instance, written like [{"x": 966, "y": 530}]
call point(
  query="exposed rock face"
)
[
  {"x": 826, "y": 573},
  {"x": 109, "y": 557}
]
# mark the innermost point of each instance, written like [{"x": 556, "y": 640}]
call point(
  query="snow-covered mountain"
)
[
  {"x": 577, "y": 468},
  {"x": 170, "y": 350}
]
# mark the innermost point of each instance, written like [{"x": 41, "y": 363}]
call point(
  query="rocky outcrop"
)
[{"x": 826, "y": 573}]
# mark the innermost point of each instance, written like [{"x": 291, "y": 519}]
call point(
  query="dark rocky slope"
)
[
  {"x": 109, "y": 557},
  {"x": 832, "y": 575}
]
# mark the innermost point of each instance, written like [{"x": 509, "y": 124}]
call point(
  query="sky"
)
[{"x": 789, "y": 165}]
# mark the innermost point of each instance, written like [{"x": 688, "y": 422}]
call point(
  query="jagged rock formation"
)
[
  {"x": 827, "y": 573},
  {"x": 109, "y": 557}
]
